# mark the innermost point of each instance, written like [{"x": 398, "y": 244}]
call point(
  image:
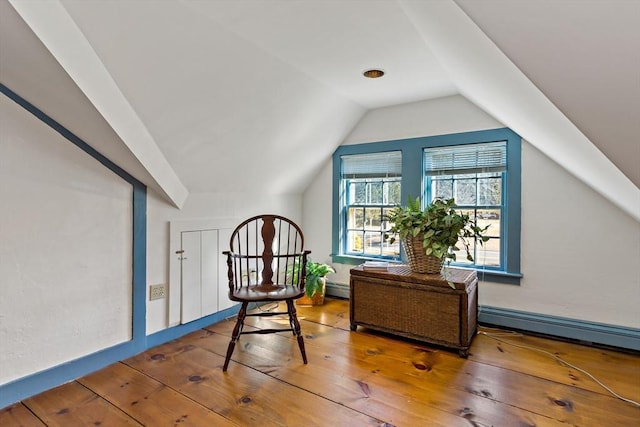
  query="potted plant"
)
[
  {"x": 315, "y": 283},
  {"x": 431, "y": 235}
]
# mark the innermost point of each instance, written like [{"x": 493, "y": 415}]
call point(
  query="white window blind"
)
[
  {"x": 375, "y": 165},
  {"x": 466, "y": 159}
]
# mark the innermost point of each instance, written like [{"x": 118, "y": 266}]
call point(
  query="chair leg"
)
[
  {"x": 235, "y": 335},
  {"x": 293, "y": 319}
]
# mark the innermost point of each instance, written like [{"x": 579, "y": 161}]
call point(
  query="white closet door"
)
[
  {"x": 209, "y": 268},
  {"x": 191, "y": 279},
  {"x": 204, "y": 279}
]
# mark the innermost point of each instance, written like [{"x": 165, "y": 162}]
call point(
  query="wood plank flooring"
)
[{"x": 358, "y": 378}]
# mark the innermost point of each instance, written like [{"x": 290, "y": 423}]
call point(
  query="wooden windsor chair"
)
[{"x": 266, "y": 263}]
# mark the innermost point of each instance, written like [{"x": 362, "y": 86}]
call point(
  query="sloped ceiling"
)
[
  {"x": 255, "y": 95},
  {"x": 584, "y": 56}
]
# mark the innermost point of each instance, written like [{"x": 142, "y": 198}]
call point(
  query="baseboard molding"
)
[
  {"x": 581, "y": 330},
  {"x": 31, "y": 385},
  {"x": 589, "y": 332},
  {"x": 337, "y": 290},
  {"x": 178, "y": 331}
]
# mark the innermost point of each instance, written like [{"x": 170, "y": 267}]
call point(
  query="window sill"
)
[
  {"x": 357, "y": 260},
  {"x": 496, "y": 276},
  {"x": 483, "y": 275}
]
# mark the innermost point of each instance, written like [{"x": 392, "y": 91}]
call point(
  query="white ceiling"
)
[
  {"x": 255, "y": 95},
  {"x": 584, "y": 56}
]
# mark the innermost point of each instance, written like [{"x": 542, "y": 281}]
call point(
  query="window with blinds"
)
[
  {"x": 371, "y": 186},
  {"x": 466, "y": 159},
  {"x": 473, "y": 175},
  {"x": 375, "y": 165},
  {"x": 480, "y": 170}
]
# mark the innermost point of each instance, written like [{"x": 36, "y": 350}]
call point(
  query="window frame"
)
[
  {"x": 380, "y": 166},
  {"x": 437, "y": 168},
  {"x": 413, "y": 183},
  {"x": 365, "y": 206}
]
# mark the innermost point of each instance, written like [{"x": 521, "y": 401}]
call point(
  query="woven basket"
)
[{"x": 419, "y": 261}]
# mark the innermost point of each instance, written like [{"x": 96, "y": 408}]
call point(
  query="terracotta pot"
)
[{"x": 318, "y": 297}]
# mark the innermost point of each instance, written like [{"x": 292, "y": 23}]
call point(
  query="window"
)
[
  {"x": 481, "y": 170},
  {"x": 371, "y": 185},
  {"x": 473, "y": 175}
]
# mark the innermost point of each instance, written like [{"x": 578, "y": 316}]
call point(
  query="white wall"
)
[
  {"x": 66, "y": 246},
  {"x": 579, "y": 253},
  {"x": 65, "y": 253},
  {"x": 65, "y": 249}
]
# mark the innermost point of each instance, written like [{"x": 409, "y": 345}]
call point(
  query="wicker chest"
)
[{"x": 418, "y": 306}]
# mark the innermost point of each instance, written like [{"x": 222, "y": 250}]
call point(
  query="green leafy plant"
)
[
  {"x": 440, "y": 225},
  {"x": 315, "y": 272}
]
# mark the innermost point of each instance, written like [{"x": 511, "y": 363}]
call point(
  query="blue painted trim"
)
[
  {"x": 582, "y": 330},
  {"x": 513, "y": 191},
  {"x": 27, "y": 386},
  {"x": 71, "y": 137},
  {"x": 139, "y": 207},
  {"x": 175, "y": 332},
  {"x": 30, "y": 385},
  {"x": 412, "y": 183},
  {"x": 484, "y": 275},
  {"x": 337, "y": 290},
  {"x": 139, "y": 265},
  {"x": 412, "y": 172},
  {"x": 336, "y": 241}
]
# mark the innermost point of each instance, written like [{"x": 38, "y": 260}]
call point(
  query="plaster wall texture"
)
[
  {"x": 65, "y": 252},
  {"x": 65, "y": 228}
]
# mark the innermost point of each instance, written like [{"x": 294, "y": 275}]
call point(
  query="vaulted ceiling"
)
[{"x": 226, "y": 95}]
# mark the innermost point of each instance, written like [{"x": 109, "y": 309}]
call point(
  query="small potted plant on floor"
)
[
  {"x": 315, "y": 283},
  {"x": 431, "y": 235}
]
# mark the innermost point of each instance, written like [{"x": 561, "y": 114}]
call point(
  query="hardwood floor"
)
[{"x": 358, "y": 378}]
